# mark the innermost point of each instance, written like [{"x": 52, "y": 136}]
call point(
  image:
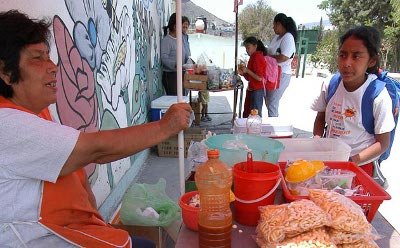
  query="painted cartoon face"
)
[
  {"x": 36, "y": 88},
  {"x": 353, "y": 62},
  {"x": 349, "y": 112},
  {"x": 250, "y": 48}
]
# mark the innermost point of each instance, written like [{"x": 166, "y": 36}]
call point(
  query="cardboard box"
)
[
  {"x": 169, "y": 148},
  {"x": 195, "y": 82}
]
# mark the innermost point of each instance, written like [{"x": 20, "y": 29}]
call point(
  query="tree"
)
[
  {"x": 257, "y": 20},
  {"x": 326, "y": 53},
  {"x": 345, "y": 14}
]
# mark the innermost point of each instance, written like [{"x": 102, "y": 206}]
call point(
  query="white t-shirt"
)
[
  {"x": 344, "y": 116},
  {"x": 32, "y": 150},
  {"x": 288, "y": 48}
]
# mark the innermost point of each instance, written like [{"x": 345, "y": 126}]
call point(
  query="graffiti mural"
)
[{"x": 109, "y": 71}]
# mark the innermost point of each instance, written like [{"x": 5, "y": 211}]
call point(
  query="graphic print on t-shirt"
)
[{"x": 338, "y": 117}]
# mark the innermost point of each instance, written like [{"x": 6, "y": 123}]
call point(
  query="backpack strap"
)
[
  {"x": 373, "y": 90},
  {"x": 333, "y": 85}
]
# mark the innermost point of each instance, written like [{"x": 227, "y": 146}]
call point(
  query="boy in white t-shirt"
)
[{"x": 358, "y": 63}]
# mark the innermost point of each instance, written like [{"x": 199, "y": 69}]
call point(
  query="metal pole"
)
[
  {"x": 235, "y": 91},
  {"x": 179, "y": 63}
]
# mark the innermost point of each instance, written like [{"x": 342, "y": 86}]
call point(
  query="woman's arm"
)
[
  {"x": 319, "y": 124},
  {"x": 376, "y": 149},
  {"x": 111, "y": 145},
  {"x": 280, "y": 58}
]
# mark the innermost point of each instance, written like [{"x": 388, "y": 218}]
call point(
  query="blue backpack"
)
[{"x": 372, "y": 91}]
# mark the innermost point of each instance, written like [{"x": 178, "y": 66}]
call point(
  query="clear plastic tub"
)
[
  {"x": 332, "y": 178},
  {"x": 325, "y": 149}
]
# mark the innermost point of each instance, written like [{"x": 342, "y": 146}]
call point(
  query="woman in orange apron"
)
[{"x": 59, "y": 205}]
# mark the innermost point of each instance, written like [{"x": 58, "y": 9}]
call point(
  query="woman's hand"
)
[{"x": 176, "y": 118}]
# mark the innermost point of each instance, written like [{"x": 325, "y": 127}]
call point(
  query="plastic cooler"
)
[
  {"x": 271, "y": 127},
  {"x": 370, "y": 202},
  {"x": 324, "y": 149},
  {"x": 160, "y": 105}
]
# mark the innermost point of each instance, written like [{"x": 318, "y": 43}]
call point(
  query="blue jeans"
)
[
  {"x": 257, "y": 99},
  {"x": 142, "y": 242},
  {"x": 274, "y": 96}
]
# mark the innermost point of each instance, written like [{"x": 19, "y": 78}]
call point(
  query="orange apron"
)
[{"x": 66, "y": 211}]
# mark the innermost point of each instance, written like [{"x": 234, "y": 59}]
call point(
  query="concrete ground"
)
[{"x": 294, "y": 109}]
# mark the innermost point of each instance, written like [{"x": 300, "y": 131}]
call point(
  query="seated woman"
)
[{"x": 46, "y": 200}]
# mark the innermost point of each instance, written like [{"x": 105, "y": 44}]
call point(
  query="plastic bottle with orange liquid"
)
[{"x": 214, "y": 180}]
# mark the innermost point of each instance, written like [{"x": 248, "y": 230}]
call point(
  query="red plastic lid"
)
[{"x": 213, "y": 153}]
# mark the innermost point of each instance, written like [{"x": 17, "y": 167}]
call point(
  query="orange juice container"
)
[{"x": 214, "y": 180}]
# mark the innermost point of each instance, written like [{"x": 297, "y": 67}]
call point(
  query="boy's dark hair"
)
[
  {"x": 254, "y": 41},
  {"x": 185, "y": 19},
  {"x": 371, "y": 38},
  {"x": 171, "y": 24},
  {"x": 17, "y": 31},
  {"x": 288, "y": 23}
]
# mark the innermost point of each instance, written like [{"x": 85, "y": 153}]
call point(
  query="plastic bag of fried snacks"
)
[
  {"x": 288, "y": 220},
  {"x": 345, "y": 214},
  {"x": 360, "y": 244},
  {"x": 316, "y": 238},
  {"x": 339, "y": 237}
]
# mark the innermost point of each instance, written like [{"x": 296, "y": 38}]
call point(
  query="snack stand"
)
[
  {"x": 197, "y": 82},
  {"x": 244, "y": 236}
]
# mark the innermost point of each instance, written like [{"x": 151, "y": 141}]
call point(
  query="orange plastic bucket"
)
[{"x": 255, "y": 184}]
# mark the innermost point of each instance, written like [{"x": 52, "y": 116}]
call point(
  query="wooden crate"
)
[
  {"x": 195, "y": 82},
  {"x": 169, "y": 147}
]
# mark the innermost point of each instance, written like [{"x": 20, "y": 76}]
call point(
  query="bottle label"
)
[{"x": 214, "y": 203}]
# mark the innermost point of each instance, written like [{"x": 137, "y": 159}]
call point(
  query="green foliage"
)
[
  {"x": 257, "y": 20},
  {"x": 326, "y": 53},
  {"x": 383, "y": 15}
]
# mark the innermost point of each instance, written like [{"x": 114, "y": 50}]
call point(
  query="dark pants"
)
[
  {"x": 138, "y": 242},
  {"x": 169, "y": 83},
  {"x": 254, "y": 100}
]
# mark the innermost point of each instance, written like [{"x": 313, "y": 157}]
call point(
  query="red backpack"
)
[{"x": 273, "y": 74}]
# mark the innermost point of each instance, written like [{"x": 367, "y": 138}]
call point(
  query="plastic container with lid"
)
[
  {"x": 324, "y": 149},
  {"x": 214, "y": 180},
  {"x": 332, "y": 178},
  {"x": 302, "y": 175},
  {"x": 253, "y": 123}
]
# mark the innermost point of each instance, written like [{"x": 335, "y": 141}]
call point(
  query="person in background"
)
[
  {"x": 185, "y": 36},
  {"x": 254, "y": 72},
  {"x": 168, "y": 57},
  {"x": 283, "y": 49},
  {"x": 45, "y": 197},
  {"x": 358, "y": 63}
]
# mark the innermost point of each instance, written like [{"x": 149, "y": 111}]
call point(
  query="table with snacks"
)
[
  {"x": 244, "y": 236},
  {"x": 318, "y": 220},
  {"x": 215, "y": 80}
]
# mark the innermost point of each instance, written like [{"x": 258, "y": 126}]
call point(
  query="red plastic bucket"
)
[{"x": 255, "y": 185}]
